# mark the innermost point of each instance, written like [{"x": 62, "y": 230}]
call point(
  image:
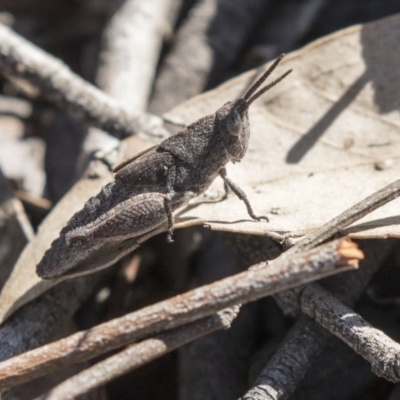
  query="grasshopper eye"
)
[
  {"x": 74, "y": 240},
  {"x": 234, "y": 123}
]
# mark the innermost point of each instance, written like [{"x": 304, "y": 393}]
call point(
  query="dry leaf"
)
[{"x": 322, "y": 140}]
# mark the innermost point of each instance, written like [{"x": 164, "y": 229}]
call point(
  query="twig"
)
[
  {"x": 21, "y": 59},
  {"x": 15, "y": 106},
  {"x": 287, "y": 367},
  {"x": 34, "y": 201},
  {"x": 128, "y": 60},
  {"x": 131, "y": 48},
  {"x": 285, "y": 370},
  {"x": 354, "y": 213},
  {"x": 139, "y": 354},
  {"x": 198, "y": 303},
  {"x": 377, "y": 348}
]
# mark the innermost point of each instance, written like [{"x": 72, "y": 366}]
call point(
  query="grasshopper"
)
[
  {"x": 190, "y": 160},
  {"x": 150, "y": 186}
]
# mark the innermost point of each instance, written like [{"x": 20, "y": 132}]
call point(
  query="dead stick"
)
[
  {"x": 139, "y": 354},
  {"x": 21, "y": 59},
  {"x": 247, "y": 286},
  {"x": 372, "y": 344}
]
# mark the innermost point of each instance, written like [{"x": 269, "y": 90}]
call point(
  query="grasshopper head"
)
[{"x": 232, "y": 118}]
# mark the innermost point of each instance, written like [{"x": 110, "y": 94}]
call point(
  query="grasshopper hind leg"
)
[
  {"x": 170, "y": 218},
  {"x": 174, "y": 200}
]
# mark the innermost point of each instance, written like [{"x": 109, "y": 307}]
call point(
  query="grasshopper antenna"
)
[{"x": 252, "y": 93}]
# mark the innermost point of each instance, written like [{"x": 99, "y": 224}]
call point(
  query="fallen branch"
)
[
  {"x": 372, "y": 344},
  {"x": 55, "y": 81},
  {"x": 139, "y": 354},
  {"x": 241, "y": 288},
  {"x": 287, "y": 367}
]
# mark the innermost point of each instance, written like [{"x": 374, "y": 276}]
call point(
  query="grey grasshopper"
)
[{"x": 150, "y": 186}]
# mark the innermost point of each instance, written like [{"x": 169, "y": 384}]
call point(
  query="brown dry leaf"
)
[{"x": 322, "y": 140}]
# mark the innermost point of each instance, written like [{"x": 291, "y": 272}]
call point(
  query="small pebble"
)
[{"x": 383, "y": 164}]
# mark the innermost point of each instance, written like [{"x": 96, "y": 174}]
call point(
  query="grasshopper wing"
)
[
  {"x": 149, "y": 168},
  {"x": 132, "y": 217}
]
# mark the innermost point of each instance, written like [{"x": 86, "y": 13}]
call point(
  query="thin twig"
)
[
  {"x": 241, "y": 288},
  {"x": 354, "y": 213},
  {"x": 139, "y": 354},
  {"x": 21, "y": 59},
  {"x": 377, "y": 348}
]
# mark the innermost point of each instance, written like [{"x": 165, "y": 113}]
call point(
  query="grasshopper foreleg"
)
[{"x": 241, "y": 194}]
